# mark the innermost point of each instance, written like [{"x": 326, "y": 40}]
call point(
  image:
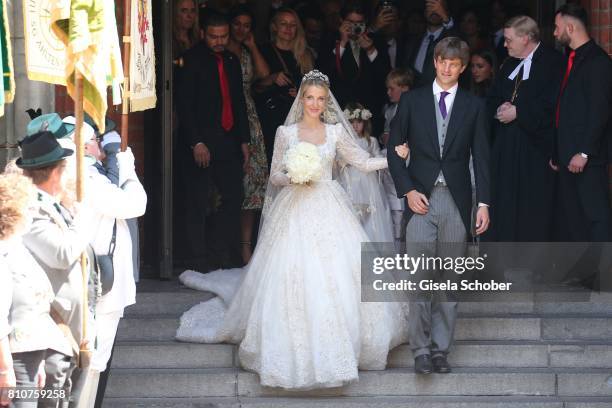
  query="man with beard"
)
[
  {"x": 214, "y": 145},
  {"x": 582, "y": 119},
  {"x": 419, "y": 50}
]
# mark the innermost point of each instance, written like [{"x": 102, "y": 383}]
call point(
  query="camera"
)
[
  {"x": 358, "y": 28},
  {"x": 388, "y": 5}
]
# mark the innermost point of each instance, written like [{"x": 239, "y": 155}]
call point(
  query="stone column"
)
[{"x": 29, "y": 94}]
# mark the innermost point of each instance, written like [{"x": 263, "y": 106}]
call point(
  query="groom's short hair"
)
[{"x": 452, "y": 48}]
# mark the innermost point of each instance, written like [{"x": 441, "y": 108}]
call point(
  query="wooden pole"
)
[
  {"x": 85, "y": 351},
  {"x": 127, "y": 12}
]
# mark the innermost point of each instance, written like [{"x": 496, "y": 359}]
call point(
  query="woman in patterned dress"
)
[{"x": 254, "y": 66}]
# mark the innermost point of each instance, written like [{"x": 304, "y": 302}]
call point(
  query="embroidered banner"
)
[
  {"x": 89, "y": 30},
  {"x": 142, "y": 57},
  {"x": 45, "y": 53}
]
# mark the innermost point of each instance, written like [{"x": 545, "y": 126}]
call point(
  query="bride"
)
[{"x": 295, "y": 310}]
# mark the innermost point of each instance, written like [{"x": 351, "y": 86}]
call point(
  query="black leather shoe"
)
[
  {"x": 440, "y": 365},
  {"x": 422, "y": 364}
]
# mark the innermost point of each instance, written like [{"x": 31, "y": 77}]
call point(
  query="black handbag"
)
[{"x": 105, "y": 264}]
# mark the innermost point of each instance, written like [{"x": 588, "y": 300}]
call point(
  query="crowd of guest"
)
[
  {"x": 549, "y": 154},
  {"x": 67, "y": 267}
]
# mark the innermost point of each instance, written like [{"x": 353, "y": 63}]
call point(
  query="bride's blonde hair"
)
[{"x": 317, "y": 78}]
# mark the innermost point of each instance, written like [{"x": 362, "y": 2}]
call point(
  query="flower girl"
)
[{"x": 365, "y": 189}]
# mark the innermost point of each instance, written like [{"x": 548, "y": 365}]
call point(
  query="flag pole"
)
[
  {"x": 84, "y": 348},
  {"x": 125, "y": 110}
]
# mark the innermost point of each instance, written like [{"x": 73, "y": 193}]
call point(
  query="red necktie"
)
[
  {"x": 227, "y": 116},
  {"x": 570, "y": 63}
]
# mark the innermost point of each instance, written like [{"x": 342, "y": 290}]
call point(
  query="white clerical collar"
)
[
  {"x": 437, "y": 89},
  {"x": 526, "y": 64}
]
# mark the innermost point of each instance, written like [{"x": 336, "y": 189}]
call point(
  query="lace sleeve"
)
[
  {"x": 352, "y": 153},
  {"x": 278, "y": 177}
]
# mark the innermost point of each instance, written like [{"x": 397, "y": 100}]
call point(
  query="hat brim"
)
[
  {"x": 109, "y": 125},
  {"x": 65, "y": 130},
  {"x": 47, "y": 161}
]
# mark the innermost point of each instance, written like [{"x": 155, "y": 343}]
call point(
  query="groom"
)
[{"x": 442, "y": 125}]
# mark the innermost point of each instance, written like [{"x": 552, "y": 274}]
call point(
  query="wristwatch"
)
[{"x": 584, "y": 155}]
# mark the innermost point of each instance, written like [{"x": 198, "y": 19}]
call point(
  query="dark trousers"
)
[
  {"x": 224, "y": 240},
  {"x": 585, "y": 216},
  {"x": 585, "y": 200},
  {"x": 26, "y": 366}
]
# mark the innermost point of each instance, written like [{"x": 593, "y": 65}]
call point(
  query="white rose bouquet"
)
[{"x": 303, "y": 163}]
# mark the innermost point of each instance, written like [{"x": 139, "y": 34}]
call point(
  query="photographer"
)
[
  {"x": 420, "y": 49},
  {"x": 354, "y": 64},
  {"x": 386, "y": 28}
]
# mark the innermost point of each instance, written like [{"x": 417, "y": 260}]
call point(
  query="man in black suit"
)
[
  {"x": 580, "y": 155},
  {"x": 582, "y": 120},
  {"x": 499, "y": 16},
  {"x": 387, "y": 30},
  {"x": 442, "y": 124},
  {"x": 356, "y": 66},
  {"x": 214, "y": 145},
  {"x": 522, "y": 102},
  {"x": 419, "y": 51}
]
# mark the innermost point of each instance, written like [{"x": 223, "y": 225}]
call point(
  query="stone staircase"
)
[{"x": 531, "y": 353}]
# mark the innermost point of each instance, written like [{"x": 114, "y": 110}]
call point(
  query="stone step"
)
[
  {"x": 174, "y": 303},
  {"x": 172, "y": 355},
  {"x": 167, "y": 303},
  {"x": 477, "y": 328},
  {"x": 464, "y": 354},
  {"x": 204, "y": 383},
  {"x": 364, "y": 402},
  {"x": 468, "y": 328}
]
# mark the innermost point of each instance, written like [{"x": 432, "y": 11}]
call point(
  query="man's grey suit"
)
[{"x": 440, "y": 150}]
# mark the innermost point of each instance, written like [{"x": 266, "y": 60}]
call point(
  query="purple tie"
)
[{"x": 442, "y": 104}]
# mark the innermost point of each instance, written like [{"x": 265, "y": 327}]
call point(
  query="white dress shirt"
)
[
  {"x": 498, "y": 37},
  {"x": 371, "y": 56},
  {"x": 449, "y": 100},
  {"x": 419, "y": 62},
  {"x": 392, "y": 52}
]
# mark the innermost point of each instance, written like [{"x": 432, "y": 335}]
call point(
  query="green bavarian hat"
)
[
  {"x": 109, "y": 124},
  {"x": 51, "y": 122},
  {"x": 40, "y": 150}
]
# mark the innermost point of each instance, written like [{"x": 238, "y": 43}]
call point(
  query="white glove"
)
[{"x": 127, "y": 171}]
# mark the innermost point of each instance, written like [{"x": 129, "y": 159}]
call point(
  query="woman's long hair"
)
[
  {"x": 300, "y": 52},
  {"x": 193, "y": 34},
  {"x": 482, "y": 88}
]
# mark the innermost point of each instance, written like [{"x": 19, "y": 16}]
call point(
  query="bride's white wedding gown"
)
[{"x": 297, "y": 314}]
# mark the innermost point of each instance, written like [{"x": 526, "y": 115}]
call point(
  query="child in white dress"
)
[{"x": 365, "y": 189}]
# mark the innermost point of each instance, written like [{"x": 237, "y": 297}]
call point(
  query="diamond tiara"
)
[{"x": 316, "y": 74}]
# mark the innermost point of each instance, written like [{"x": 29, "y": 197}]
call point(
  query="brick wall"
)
[{"x": 599, "y": 16}]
